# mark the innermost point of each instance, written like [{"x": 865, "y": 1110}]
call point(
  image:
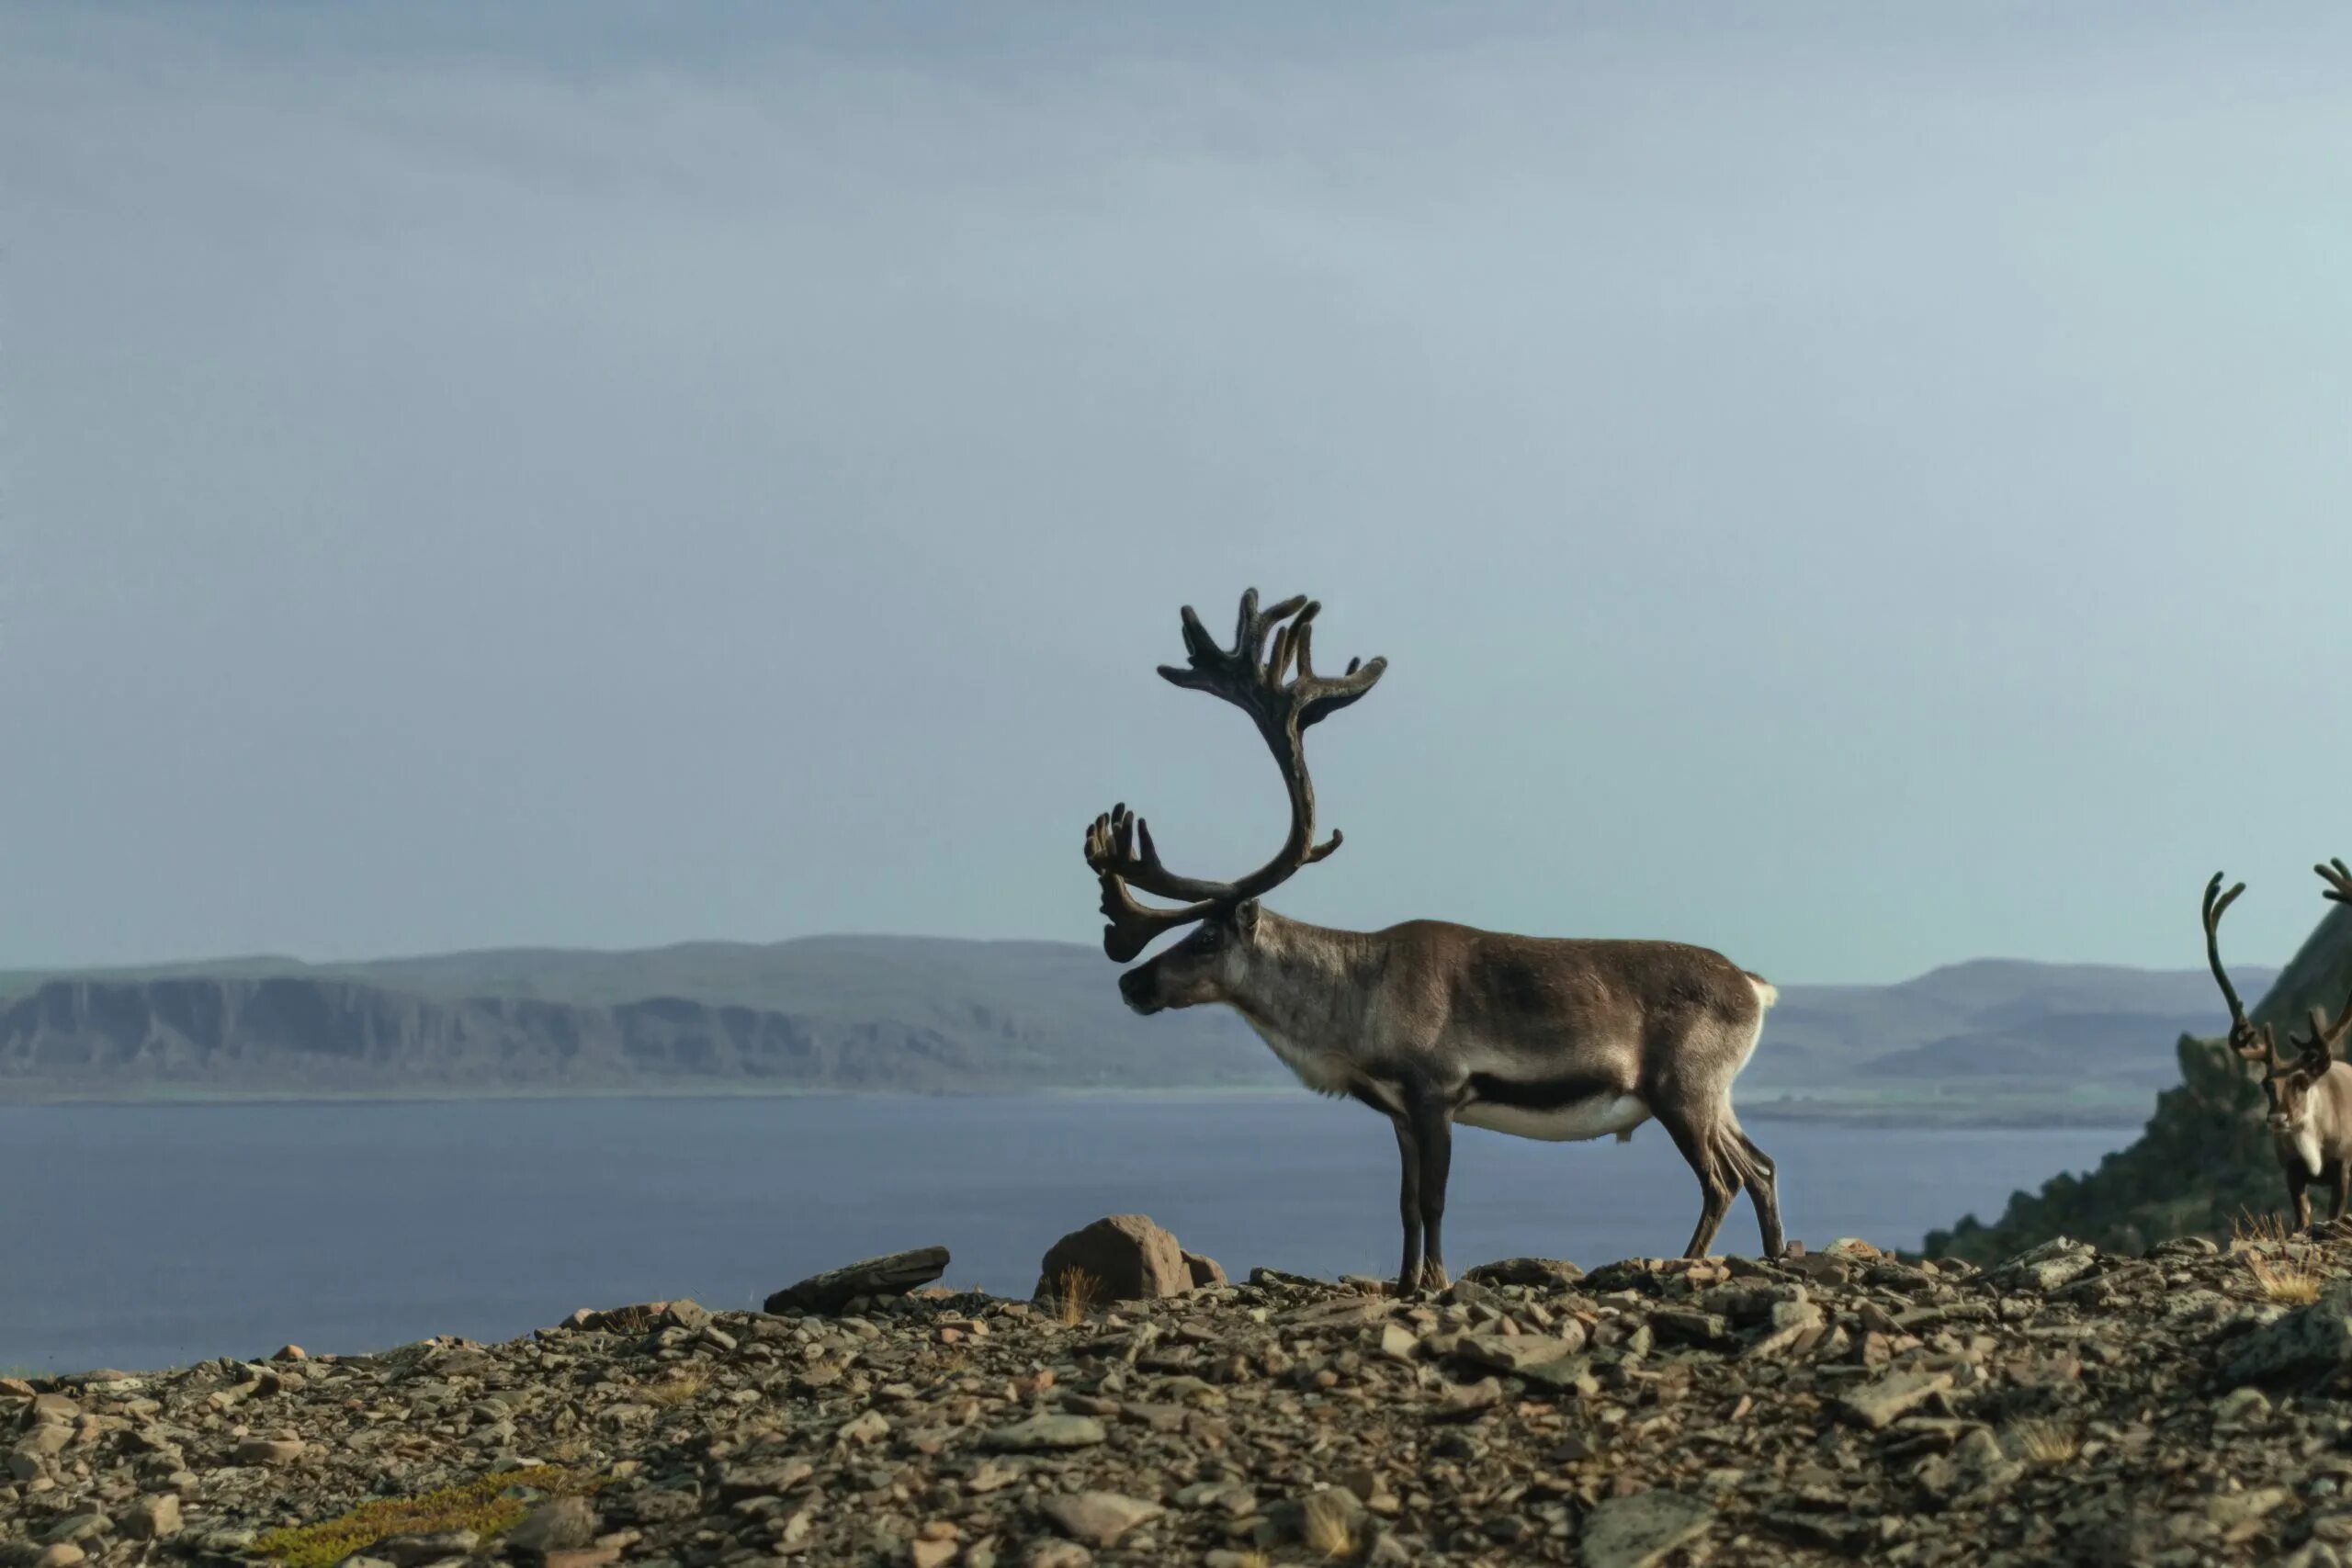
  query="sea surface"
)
[{"x": 146, "y": 1236}]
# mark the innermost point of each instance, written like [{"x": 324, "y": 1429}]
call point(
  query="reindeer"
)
[
  {"x": 1430, "y": 1024},
  {"x": 2309, "y": 1092}
]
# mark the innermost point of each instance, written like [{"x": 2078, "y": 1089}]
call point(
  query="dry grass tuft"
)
[
  {"x": 1328, "y": 1525},
  {"x": 2286, "y": 1282},
  {"x": 1074, "y": 1293},
  {"x": 2250, "y": 1229},
  {"x": 682, "y": 1388},
  {"x": 2045, "y": 1442},
  {"x": 2289, "y": 1280},
  {"x": 483, "y": 1505}
]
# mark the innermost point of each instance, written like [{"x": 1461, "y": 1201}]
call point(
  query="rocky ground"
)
[{"x": 2186, "y": 1407}]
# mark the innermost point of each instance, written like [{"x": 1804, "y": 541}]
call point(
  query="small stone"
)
[
  {"x": 582, "y": 1557},
  {"x": 1205, "y": 1271},
  {"x": 560, "y": 1524},
  {"x": 2241, "y": 1407},
  {"x": 153, "y": 1518},
  {"x": 1058, "y": 1554},
  {"x": 921, "y": 1553},
  {"x": 1099, "y": 1518},
  {"x": 290, "y": 1353},
  {"x": 268, "y": 1450},
  {"x": 870, "y": 1427},
  {"x": 417, "y": 1551},
  {"x": 1640, "y": 1530},
  {"x": 62, "y": 1555}
]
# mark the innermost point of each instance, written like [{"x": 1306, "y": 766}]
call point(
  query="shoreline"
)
[{"x": 1925, "y": 1115}]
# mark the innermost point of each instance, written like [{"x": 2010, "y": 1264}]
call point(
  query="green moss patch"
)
[{"x": 486, "y": 1506}]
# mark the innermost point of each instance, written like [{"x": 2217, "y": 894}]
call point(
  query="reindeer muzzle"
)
[{"x": 1136, "y": 986}]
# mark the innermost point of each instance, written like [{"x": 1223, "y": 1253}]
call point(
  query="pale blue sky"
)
[{"x": 1839, "y": 484}]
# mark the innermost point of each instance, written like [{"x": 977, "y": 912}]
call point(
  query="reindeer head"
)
[
  {"x": 2287, "y": 1081},
  {"x": 1258, "y": 680}
]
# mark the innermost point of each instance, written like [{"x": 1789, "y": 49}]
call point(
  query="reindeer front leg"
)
[
  {"x": 2298, "y": 1199},
  {"x": 1409, "y": 1204},
  {"x": 1432, "y": 1131}
]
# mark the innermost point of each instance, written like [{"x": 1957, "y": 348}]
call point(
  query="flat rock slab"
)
[
  {"x": 894, "y": 1275},
  {"x": 1514, "y": 1353},
  {"x": 1043, "y": 1434},
  {"x": 1877, "y": 1405},
  {"x": 1548, "y": 1272},
  {"x": 1637, "y": 1531},
  {"x": 1099, "y": 1518}
]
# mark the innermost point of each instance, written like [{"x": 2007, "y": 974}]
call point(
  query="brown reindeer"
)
[
  {"x": 1430, "y": 1024},
  {"x": 2307, "y": 1092}
]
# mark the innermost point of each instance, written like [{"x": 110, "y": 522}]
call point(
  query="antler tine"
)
[
  {"x": 2326, "y": 1036},
  {"x": 1120, "y": 843},
  {"x": 2244, "y": 1039},
  {"x": 1110, "y": 850},
  {"x": 2339, "y": 879},
  {"x": 1256, "y": 679}
]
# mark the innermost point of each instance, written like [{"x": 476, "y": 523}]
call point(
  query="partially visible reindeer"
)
[
  {"x": 2308, "y": 1091},
  {"x": 1425, "y": 1022}
]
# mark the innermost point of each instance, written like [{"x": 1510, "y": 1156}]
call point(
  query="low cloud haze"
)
[{"x": 1857, "y": 488}]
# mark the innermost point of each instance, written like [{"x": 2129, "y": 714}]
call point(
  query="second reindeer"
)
[
  {"x": 1430, "y": 1024},
  {"x": 2308, "y": 1093}
]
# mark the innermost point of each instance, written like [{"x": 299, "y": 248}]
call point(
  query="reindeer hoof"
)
[{"x": 1433, "y": 1277}]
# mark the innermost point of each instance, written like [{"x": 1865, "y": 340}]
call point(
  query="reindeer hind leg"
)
[
  {"x": 1702, "y": 1142},
  {"x": 1763, "y": 1190}
]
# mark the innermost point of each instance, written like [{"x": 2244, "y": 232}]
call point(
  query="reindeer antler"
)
[
  {"x": 1259, "y": 681},
  {"x": 2244, "y": 1039},
  {"x": 2339, "y": 881}
]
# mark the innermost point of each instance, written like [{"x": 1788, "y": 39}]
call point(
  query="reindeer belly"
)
[{"x": 1593, "y": 1116}]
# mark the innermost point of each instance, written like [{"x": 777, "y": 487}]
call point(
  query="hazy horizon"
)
[
  {"x": 1857, "y": 488},
  {"x": 2262, "y": 971}
]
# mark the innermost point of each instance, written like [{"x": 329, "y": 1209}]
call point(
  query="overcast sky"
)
[{"x": 1861, "y": 488}]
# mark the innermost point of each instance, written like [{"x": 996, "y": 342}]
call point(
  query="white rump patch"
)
[
  {"x": 1767, "y": 993},
  {"x": 1595, "y": 1118}
]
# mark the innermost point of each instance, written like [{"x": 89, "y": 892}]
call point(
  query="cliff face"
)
[
  {"x": 2204, "y": 1156},
  {"x": 298, "y": 1033}
]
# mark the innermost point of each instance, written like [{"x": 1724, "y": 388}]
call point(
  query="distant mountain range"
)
[{"x": 935, "y": 1016}]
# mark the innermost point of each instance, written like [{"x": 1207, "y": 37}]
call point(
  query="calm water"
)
[{"x": 152, "y": 1237}]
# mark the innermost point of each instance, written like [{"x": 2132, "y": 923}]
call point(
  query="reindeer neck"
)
[{"x": 1302, "y": 979}]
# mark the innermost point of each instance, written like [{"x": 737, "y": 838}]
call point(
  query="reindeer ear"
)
[{"x": 1245, "y": 917}]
